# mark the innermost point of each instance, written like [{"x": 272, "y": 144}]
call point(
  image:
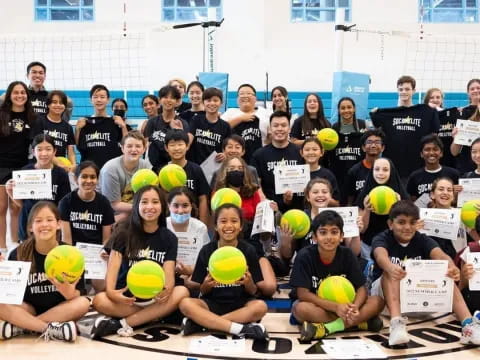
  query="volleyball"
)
[
  {"x": 63, "y": 161},
  {"x": 227, "y": 265},
  {"x": 64, "y": 262},
  {"x": 143, "y": 177},
  {"x": 145, "y": 279},
  {"x": 337, "y": 289},
  {"x": 470, "y": 212},
  {"x": 225, "y": 196},
  {"x": 328, "y": 137},
  {"x": 172, "y": 176},
  {"x": 298, "y": 221},
  {"x": 382, "y": 198}
]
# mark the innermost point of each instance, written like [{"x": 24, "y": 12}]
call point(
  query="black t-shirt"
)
[
  {"x": 347, "y": 153},
  {"x": 196, "y": 180},
  {"x": 86, "y": 218},
  {"x": 419, "y": 248},
  {"x": 14, "y": 147},
  {"x": 309, "y": 270},
  {"x": 250, "y": 132},
  {"x": 404, "y": 127},
  {"x": 448, "y": 119},
  {"x": 62, "y": 132},
  {"x": 99, "y": 140},
  {"x": 155, "y": 131},
  {"x": 324, "y": 173},
  {"x": 265, "y": 160},
  {"x": 208, "y": 137},
  {"x": 184, "y": 106},
  {"x": 356, "y": 177},
  {"x": 40, "y": 292},
  {"x": 420, "y": 181},
  {"x": 471, "y": 175},
  {"x": 297, "y": 132},
  {"x": 159, "y": 246},
  {"x": 189, "y": 114},
  {"x": 38, "y": 99},
  {"x": 231, "y": 293}
]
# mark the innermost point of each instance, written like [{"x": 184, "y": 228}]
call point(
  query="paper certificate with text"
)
[
  {"x": 468, "y": 131},
  {"x": 442, "y": 223},
  {"x": 95, "y": 265},
  {"x": 13, "y": 281},
  {"x": 291, "y": 177},
  {"x": 349, "y": 216},
  {"x": 474, "y": 259},
  {"x": 426, "y": 288},
  {"x": 471, "y": 191},
  {"x": 32, "y": 184}
]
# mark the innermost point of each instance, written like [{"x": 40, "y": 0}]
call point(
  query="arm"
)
[
  {"x": 80, "y": 125},
  {"x": 121, "y": 207},
  {"x": 203, "y": 209},
  {"x": 114, "y": 262},
  {"x": 383, "y": 261},
  {"x": 169, "y": 269},
  {"x": 66, "y": 232},
  {"x": 71, "y": 155},
  {"x": 121, "y": 124},
  {"x": 455, "y": 149},
  {"x": 244, "y": 117},
  {"x": 106, "y": 232}
]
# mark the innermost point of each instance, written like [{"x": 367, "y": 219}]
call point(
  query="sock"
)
[
  {"x": 335, "y": 326},
  {"x": 4, "y": 251},
  {"x": 363, "y": 325},
  {"x": 124, "y": 324},
  {"x": 236, "y": 328},
  {"x": 467, "y": 321}
]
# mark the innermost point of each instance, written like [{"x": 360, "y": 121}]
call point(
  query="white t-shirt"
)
[{"x": 260, "y": 112}]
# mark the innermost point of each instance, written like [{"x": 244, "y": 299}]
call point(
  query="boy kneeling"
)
[
  {"x": 315, "y": 263},
  {"x": 390, "y": 249}
]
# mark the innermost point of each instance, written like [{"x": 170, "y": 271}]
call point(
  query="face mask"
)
[
  {"x": 235, "y": 178},
  {"x": 180, "y": 218}
]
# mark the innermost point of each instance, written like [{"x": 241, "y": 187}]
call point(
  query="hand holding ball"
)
[
  {"x": 469, "y": 213},
  {"x": 145, "y": 279},
  {"x": 64, "y": 262},
  {"x": 227, "y": 265}
]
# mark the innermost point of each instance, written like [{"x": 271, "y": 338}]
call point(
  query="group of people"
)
[{"x": 410, "y": 149}]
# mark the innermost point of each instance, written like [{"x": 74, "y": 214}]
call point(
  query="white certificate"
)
[
  {"x": 13, "y": 281},
  {"x": 188, "y": 248},
  {"x": 423, "y": 200},
  {"x": 474, "y": 259},
  {"x": 209, "y": 166},
  {"x": 442, "y": 223},
  {"x": 349, "y": 216},
  {"x": 468, "y": 131},
  {"x": 32, "y": 184},
  {"x": 426, "y": 288},
  {"x": 291, "y": 177},
  {"x": 264, "y": 221},
  {"x": 95, "y": 265},
  {"x": 471, "y": 191},
  {"x": 352, "y": 349}
]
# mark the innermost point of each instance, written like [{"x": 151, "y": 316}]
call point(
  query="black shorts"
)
[
  {"x": 5, "y": 175},
  {"x": 221, "y": 308}
]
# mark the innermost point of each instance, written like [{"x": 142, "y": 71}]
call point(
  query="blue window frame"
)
[
  {"x": 190, "y": 10},
  {"x": 448, "y": 11},
  {"x": 318, "y": 10},
  {"x": 64, "y": 10}
]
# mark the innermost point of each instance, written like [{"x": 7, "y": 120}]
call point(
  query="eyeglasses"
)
[
  {"x": 372, "y": 142},
  {"x": 246, "y": 94}
]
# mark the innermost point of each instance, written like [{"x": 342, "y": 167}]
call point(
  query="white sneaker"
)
[
  {"x": 66, "y": 331},
  {"x": 398, "y": 331},
  {"x": 471, "y": 332},
  {"x": 8, "y": 330}
]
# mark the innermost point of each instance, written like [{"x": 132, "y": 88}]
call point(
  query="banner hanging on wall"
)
[{"x": 353, "y": 85}]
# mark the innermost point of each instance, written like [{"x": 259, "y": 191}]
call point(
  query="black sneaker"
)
[
  {"x": 66, "y": 331},
  {"x": 375, "y": 324},
  {"x": 8, "y": 330},
  {"x": 254, "y": 331},
  {"x": 310, "y": 331},
  {"x": 104, "y": 326},
  {"x": 190, "y": 327}
]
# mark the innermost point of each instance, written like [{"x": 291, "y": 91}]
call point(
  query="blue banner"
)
[
  {"x": 217, "y": 80},
  {"x": 353, "y": 85}
]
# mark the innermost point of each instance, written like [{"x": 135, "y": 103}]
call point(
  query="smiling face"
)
[
  {"x": 474, "y": 92},
  {"x": 443, "y": 195},
  {"x": 44, "y": 225},
  {"x": 319, "y": 196},
  {"x": 279, "y": 100},
  {"x": 403, "y": 228},
  {"x": 195, "y": 95},
  {"x": 36, "y": 76},
  {"x": 150, "y": 206},
  {"x": 405, "y": 92},
  {"x": 436, "y": 99},
  {"x": 328, "y": 237},
  {"x": 87, "y": 181},
  {"x": 373, "y": 146},
  {"x": 212, "y": 104},
  {"x": 19, "y": 97},
  {"x": 176, "y": 149},
  {"x": 431, "y": 153},
  {"x": 312, "y": 105},
  {"x": 169, "y": 103},
  {"x": 381, "y": 171},
  {"x": 346, "y": 111},
  {"x": 228, "y": 225},
  {"x": 56, "y": 106},
  {"x": 132, "y": 149},
  {"x": 475, "y": 153},
  {"x": 280, "y": 129},
  {"x": 44, "y": 152},
  {"x": 100, "y": 100},
  {"x": 234, "y": 148},
  {"x": 311, "y": 152},
  {"x": 150, "y": 107},
  {"x": 246, "y": 99},
  {"x": 180, "y": 205}
]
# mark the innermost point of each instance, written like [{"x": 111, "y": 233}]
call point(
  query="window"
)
[
  {"x": 64, "y": 10},
  {"x": 318, "y": 10},
  {"x": 448, "y": 11},
  {"x": 190, "y": 10}
]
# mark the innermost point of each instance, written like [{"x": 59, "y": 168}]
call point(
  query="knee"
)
[
  {"x": 99, "y": 301},
  {"x": 299, "y": 310},
  {"x": 185, "y": 306},
  {"x": 267, "y": 288},
  {"x": 260, "y": 309}
]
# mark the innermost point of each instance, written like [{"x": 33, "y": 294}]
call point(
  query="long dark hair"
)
[
  {"x": 284, "y": 92},
  {"x": 318, "y": 121},
  {"x": 393, "y": 182},
  {"x": 355, "y": 122},
  {"x": 6, "y": 108},
  {"x": 25, "y": 249},
  {"x": 183, "y": 190},
  {"x": 131, "y": 229}
]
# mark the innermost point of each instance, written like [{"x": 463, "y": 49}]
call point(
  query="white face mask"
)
[{"x": 180, "y": 218}]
